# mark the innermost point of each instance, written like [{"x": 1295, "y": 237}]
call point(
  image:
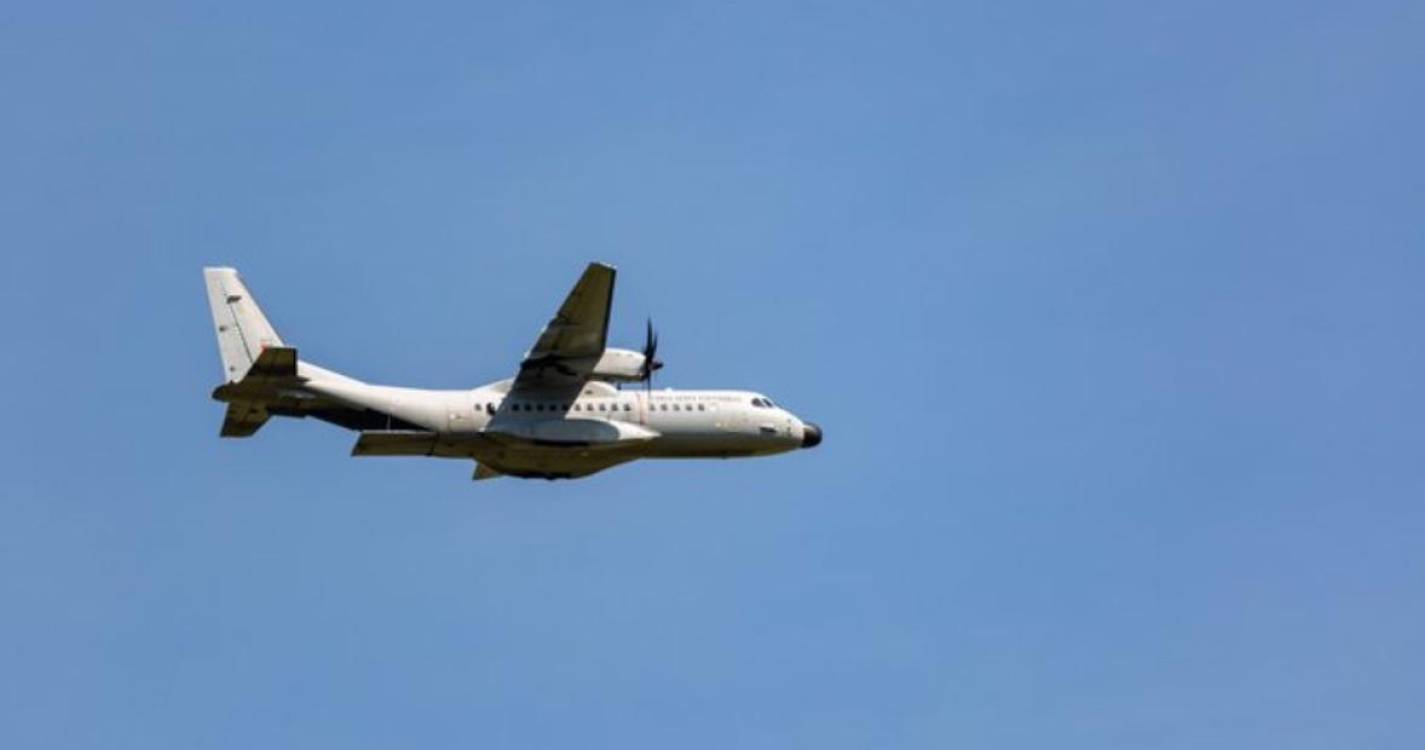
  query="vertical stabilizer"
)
[{"x": 243, "y": 331}]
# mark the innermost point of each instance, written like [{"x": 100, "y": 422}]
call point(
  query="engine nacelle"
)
[{"x": 619, "y": 366}]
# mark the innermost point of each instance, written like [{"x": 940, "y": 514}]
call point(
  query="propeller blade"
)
[{"x": 650, "y": 354}]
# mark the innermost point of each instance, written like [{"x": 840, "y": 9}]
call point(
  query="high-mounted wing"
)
[{"x": 572, "y": 342}]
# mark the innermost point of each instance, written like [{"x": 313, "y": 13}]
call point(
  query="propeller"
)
[{"x": 650, "y": 354}]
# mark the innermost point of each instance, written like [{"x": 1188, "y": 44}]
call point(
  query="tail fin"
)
[{"x": 243, "y": 331}]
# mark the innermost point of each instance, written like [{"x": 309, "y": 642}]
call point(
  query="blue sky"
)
[{"x": 1110, "y": 313}]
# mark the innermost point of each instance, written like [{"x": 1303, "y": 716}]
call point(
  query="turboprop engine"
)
[
  {"x": 621, "y": 366},
  {"x": 628, "y": 366}
]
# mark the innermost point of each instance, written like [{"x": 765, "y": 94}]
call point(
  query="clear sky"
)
[{"x": 1111, "y": 314}]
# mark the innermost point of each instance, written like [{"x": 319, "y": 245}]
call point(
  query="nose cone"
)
[{"x": 811, "y": 435}]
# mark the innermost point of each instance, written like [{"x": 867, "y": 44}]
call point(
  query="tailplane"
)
[{"x": 264, "y": 378}]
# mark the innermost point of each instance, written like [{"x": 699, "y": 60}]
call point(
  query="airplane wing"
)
[
  {"x": 571, "y": 343},
  {"x": 497, "y": 453}
]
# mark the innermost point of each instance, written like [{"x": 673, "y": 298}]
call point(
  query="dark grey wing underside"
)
[
  {"x": 501, "y": 453},
  {"x": 571, "y": 343}
]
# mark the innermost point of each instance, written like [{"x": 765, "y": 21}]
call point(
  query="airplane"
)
[{"x": 564, "y": 414}]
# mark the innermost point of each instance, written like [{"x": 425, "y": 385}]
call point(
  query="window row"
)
[
  {"x": 676, "y": 407},
  {"x": 520, "y": 406},
  {"x": 491, "y": 407}
]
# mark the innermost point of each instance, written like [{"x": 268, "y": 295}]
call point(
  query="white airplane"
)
[{"x": 563, "y": 416}]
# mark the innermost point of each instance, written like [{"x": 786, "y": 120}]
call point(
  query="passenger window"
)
[
  {"x": 701, "y": 408},
  {"x": 626, "y": 407}
]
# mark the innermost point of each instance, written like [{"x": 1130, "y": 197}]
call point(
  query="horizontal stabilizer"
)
[
  {"x": 274, "y": 362},
  {"x": 244, "y": 418}
]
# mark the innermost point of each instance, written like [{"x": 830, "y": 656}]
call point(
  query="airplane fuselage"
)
[
  {"x": 676, "y": 423},
  {"x": 684, "y": 423}
]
